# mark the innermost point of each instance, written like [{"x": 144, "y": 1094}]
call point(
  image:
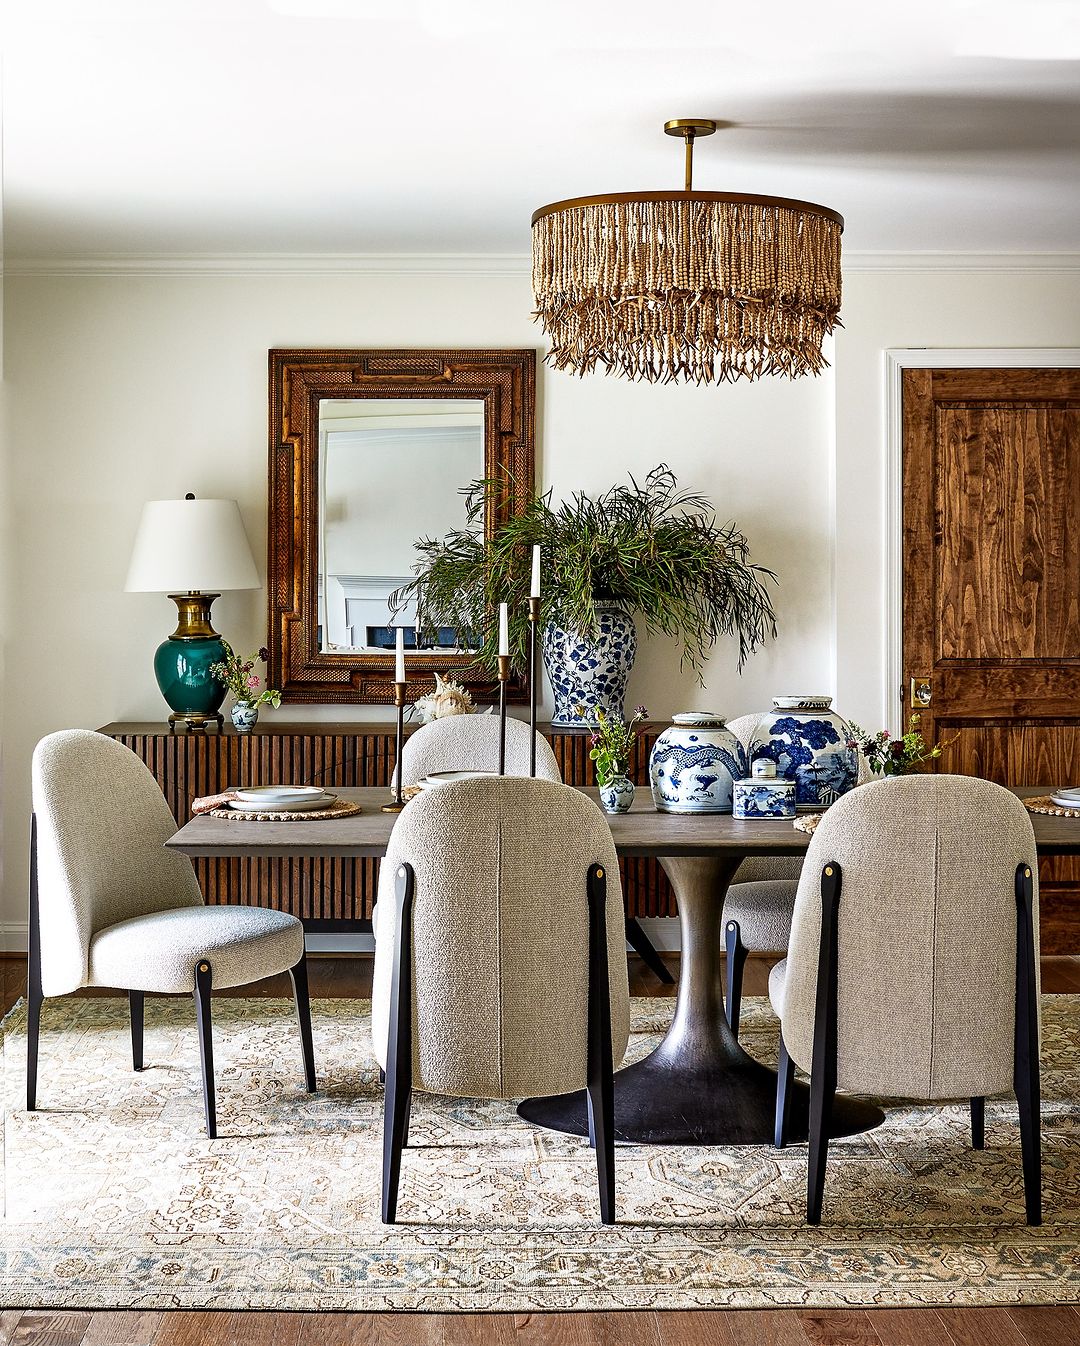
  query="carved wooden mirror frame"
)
[{"x": 505, "y": 380}]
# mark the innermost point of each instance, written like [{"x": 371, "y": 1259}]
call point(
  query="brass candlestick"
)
[
  {"x": 398, "y": 803},
  {"x": 504, "y": 678},
  {"x": 534, "y": 618}
]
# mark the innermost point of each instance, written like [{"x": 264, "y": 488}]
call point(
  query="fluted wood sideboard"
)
[{"x": 333, "y": 895}]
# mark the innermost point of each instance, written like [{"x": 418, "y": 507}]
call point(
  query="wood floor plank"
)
[
  {"x": 9, "y": 1320},
  {"x": 407, "y": 1329},
  {"x": 1052, "y": 1325},
  {"x": 587, "y": 1329},
  {"x": 695, "y": 1327},
  {"x": 40, "y": 1327},
  {"x": 980, "y": 1327},
  {"x": 227, "y": 1329},
  {"x": 838, "y": 1327},
  {"x": 122, "y": 1328},
  {"x": 765, "y": 1327},
  {"x": 907, "y": 1327}
]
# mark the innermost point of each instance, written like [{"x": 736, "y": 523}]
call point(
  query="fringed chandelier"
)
[{"x": 700, "y": 286}]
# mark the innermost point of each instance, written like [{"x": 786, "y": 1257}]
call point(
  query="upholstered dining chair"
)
[
  {"x": 475, "y": 997},
  {"x": 110, "y": 906},
  {"x": 913, "y": 967},
  {"x": 472, "y": 741}
]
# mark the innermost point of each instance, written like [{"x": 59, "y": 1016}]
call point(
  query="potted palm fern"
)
[{"x": 646, "y": 550}]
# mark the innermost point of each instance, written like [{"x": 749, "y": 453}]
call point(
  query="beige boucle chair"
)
[
  {"x": 471, "y": 742},
  {"x": 110, "y": 906},
  {"x": 924, "y": 889},
  {"x": 473, "y": 995}
]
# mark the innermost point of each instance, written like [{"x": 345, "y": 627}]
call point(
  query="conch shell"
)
[{"x": 448, "y": 698}]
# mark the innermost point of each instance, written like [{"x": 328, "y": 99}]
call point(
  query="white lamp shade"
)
[{"x": 191, "y": 545}]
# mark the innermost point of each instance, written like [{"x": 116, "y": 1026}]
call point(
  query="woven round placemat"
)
[
  {"x": 1044, "y": 804},
  {"x": 340, "y": 808},
  {"x": 807, "y": 822}
]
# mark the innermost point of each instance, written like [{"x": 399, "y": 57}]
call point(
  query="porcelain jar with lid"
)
[
  {"x": 695, "y": 763},
  {"x": 808, "y": 741}
]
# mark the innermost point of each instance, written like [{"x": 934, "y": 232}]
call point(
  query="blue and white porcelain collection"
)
[
  {"x": 763, "y": 794},
  {"x": 694, "y": 765},
  {"x": 808, "y": 741}
]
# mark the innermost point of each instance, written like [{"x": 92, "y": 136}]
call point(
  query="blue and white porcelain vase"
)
[
  {"x": 590, "y": 672},
  {"x": 694, "y": 765},
  {"x": 244, "y": 716},
  {"x": 808, "y": 741},
  {"x": 617, "y": 795}
]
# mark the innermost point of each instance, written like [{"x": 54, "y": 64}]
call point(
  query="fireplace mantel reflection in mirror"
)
[{"x": 391, "y": 471}]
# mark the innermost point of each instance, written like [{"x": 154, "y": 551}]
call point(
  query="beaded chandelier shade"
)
[{"x": 697, "y": 286}]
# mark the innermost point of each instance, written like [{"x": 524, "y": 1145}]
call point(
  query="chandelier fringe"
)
[{"x": 703, "y": 291}]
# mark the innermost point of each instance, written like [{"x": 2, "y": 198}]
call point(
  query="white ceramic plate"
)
[
  {"x": 1068, "y": 792},
  {"x": 438, "y": 778},
  {"x": 280, "y": 794},
  {"x": 1069, "y": 800},
  {"x": 323, "y": 801}
]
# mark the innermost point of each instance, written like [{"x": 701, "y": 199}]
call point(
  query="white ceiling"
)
[{"x": 435, "y": 126}]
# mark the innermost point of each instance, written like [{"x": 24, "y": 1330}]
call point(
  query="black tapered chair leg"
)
[
  {"x": 298, "y": 976},
  {"x": 785, "y": 1078},
  {"x": 203, "y": 982},
  {"x": 823, "y": 1071},
  {"x": 33, "y": 977},
  {"x": 1026, "y": 1082},
  {"x": 397, "y": 1101},
  {"x": 978, "y": 1123},
  {"x": 33, "y": 1033},
  {"x": 736, "y": 962},
  {"x": 600, "y": 1089},
  {"x": 136, "y": 1000},
  {"x": 647, "y": 951}
]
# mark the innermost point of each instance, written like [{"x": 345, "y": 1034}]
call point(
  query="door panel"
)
[{"x": 992, "y": 583}]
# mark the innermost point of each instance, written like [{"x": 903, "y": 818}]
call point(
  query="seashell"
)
[{"x": 448, "y": 698}]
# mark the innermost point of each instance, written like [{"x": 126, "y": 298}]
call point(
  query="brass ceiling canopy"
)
[{"x": 701, "y": 286}]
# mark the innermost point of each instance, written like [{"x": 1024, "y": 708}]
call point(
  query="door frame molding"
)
[{"x": 939, "y": 357}]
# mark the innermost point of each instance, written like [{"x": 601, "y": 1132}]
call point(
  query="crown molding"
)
[
  {"x": 506, "y": 264},
  {"x": 275, "y": 264}
]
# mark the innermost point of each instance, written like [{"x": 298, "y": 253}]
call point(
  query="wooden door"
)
[{"x": 991, "y": 582}]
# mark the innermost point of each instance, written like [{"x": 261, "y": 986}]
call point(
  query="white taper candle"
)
[
  {"x": 534, "y": 588},
  {"x": 504, "y": 629},
  {"x": 399, "y": 662}
]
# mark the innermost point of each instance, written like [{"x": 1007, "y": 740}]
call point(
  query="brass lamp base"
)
[{"x": 196, "y": 720}]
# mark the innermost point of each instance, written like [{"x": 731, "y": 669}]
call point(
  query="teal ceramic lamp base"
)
[{"x": 182, "y": 665}]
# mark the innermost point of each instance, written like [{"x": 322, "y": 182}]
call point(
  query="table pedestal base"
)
[{"x": 699, "y": 1087}]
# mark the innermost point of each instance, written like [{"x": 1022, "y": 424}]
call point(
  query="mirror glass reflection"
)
[{"x": 391, "y": 470}]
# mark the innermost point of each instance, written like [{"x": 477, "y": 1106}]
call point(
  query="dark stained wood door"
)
[{"x": 992, "y": 584}]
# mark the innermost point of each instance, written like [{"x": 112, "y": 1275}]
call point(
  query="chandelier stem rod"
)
[{"x": 689, "y": 160}]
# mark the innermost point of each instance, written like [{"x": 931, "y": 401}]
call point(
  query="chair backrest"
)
[
  {"x": 500, "y": 936},
  {"x": 471, "y": 743},
  {"x": 102, "y": 822},
  {"x": 926, "y": 936},
  {"x": 759, "y": 868}
]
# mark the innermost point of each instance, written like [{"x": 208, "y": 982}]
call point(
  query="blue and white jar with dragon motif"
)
[
  {"x": 694, "y": 765},
  {"x": 590, "y": 672},
  {"x": 808, "y": 741}
]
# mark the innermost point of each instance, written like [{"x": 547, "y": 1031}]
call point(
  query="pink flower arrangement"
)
[{"x": 239, "y": 676}]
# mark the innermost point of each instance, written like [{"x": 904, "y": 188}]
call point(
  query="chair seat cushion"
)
[
  {"x": 159, "y": 952},
  {"x": 763, "y": 911},
  {"x": 777, "y": 980}
]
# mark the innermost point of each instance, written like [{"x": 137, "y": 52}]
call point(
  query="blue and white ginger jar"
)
[
  {"x": 590, "y": 672},
  {"x": 694, "y": 765},
  {"x": 808, "y": 741}
]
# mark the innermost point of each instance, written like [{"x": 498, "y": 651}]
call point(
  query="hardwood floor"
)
[{"x": 336, "y": 976}]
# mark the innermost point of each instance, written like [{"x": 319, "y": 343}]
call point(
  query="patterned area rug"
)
[{"x": 115, "y": 1199}]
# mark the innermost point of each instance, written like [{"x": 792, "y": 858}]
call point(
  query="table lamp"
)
[{"x": 186, "y": 548}]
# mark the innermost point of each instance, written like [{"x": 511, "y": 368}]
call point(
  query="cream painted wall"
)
[
  {"x": 126, "y": 388},
  {"x": 1020, "y": 308}
]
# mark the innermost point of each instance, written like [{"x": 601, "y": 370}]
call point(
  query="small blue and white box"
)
[{"x": 764, "y": 794}]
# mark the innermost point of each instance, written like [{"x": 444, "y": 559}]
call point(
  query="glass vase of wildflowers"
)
[
  {"x": 612, "y": 743},
  {"x": 239, "y": 676}
]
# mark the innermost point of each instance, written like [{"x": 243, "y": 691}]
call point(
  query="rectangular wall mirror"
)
[{"x": 369, "y": 451}]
